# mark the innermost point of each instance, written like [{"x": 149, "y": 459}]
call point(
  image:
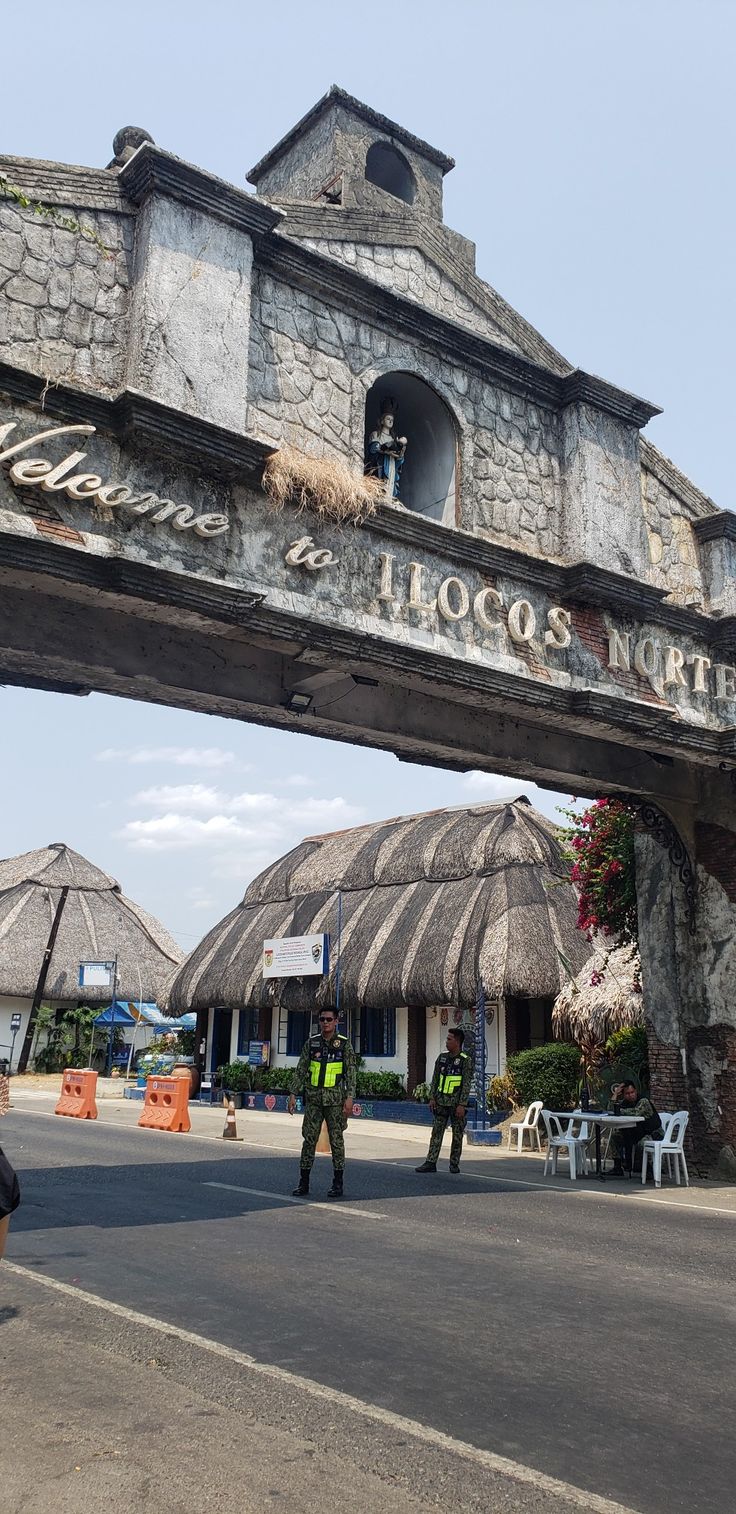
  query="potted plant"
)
[{"x": 235, "y": 1079}]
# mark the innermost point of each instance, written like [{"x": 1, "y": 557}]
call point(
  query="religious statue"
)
[{"x": 386, "y": 452}]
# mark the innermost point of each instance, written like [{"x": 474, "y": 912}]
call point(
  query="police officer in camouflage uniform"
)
[
  {"x": 448, "y": 1100},
  {"x": 325, "y": 1074}
]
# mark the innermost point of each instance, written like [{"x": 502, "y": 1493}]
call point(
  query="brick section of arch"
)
[{"x": 716, "y": 852}]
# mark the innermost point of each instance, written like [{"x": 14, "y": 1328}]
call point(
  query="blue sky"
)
[{"x": 595, "y": 155}]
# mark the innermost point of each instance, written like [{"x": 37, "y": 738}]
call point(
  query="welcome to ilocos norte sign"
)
[{"x": 408, "y": 592}]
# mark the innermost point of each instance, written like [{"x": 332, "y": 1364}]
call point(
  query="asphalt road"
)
[{"x": 590, "y": 1342}]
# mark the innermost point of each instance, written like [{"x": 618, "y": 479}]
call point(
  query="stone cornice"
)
[
  {"x": 66, "y": 184},
  {"x": 720, "y": 526},
  {"x": 324, "y": 277},
  {"x": 595, "y": 713},
  {"x": 135, "y": 417},
  {"x": 153, "y": 171},
  {"x": 434, "y": 241},
  {"x": 337, "y": 96},
  {"x": 678, "y": 483}
]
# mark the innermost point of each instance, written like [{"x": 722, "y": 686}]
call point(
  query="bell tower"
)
[{"x": 342, "y": 153}]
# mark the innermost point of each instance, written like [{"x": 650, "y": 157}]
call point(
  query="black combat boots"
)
[
  {"x": 427, "y": 1167},
  {"x": 302, "y": 1192},
  {"x": 335, "y": 1192}
]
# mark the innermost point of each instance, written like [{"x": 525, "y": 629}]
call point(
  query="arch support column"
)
[{"x": 688, "y": 954}]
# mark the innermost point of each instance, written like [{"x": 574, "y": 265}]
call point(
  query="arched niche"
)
[
  {"x": 389, "y": 170},
  {"x": 428, "y": 477}
]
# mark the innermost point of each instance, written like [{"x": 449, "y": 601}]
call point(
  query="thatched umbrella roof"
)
[
  {"x": 586, "y": 1008},
  {"x": 430, "y": 903},
  {"x": 98, "y": 923}
]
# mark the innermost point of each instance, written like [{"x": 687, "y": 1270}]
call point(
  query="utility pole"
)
[{"x": 41, "y": 984}]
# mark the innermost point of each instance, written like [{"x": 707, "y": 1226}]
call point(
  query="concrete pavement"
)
[{"x": 572, "y": 1342}]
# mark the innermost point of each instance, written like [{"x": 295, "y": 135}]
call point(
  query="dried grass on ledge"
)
[{"x": 322, "y": 484}]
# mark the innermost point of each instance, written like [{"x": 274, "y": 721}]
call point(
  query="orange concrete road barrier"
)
[
  {"x": 78, "y": 1089},
  {"x": 166, "y": 1105},
  {"x": 323, "y": 1141}
]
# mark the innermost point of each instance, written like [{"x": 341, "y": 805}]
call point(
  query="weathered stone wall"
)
[
  {"x": 312, "y": 365},
  {"x": 64, "y": 296},
  {"x": 406, "y": 270},
  {"x": 687, "y": 980},
  {"x": 673, "y": 550}
]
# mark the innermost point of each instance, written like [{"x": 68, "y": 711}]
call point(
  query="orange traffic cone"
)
[
  {"x": 323, "y": 1141},
  {"x": 230, "y": 1133}
]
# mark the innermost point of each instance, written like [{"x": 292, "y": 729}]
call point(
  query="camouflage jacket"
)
[
  {"x": 459, "y": 1071},
  {"x": 326, "y": 1070}
]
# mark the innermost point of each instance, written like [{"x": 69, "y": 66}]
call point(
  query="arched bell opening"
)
[
  {"x": 422, "y": 474},
  {"x": 388, "y": 170}
]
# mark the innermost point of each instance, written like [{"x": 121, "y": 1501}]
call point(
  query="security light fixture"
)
[{"x": 298, "y": 703}]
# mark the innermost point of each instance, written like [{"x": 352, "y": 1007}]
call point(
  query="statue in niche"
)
[{"x": 386, "y": 451}]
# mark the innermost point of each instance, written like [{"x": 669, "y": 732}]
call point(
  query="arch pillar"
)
[{"x": 687, "y": 939}]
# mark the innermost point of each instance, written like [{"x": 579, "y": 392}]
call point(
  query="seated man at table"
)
[{"x": 626, "y": 1099}]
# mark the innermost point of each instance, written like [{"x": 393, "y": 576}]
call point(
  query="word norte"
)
[{"x": 63, "y": 478}]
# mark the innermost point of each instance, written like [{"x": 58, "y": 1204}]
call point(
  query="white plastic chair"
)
[
  {"x": 530, "y": 1122},
  {"x": 559, "y": 1140},
  {"x": 671, "y": 1148}
]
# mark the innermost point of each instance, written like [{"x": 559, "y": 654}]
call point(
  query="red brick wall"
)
[{"x": 716, "y": 852}]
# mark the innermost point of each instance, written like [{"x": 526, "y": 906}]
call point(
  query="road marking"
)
[
  {"x": 591, "y": 1503},
  {"x": 572, "y": 1190},
  {"x": 262, "y": 1193}
]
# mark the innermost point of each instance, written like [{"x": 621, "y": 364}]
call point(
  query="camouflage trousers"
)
[
  {"x": 439, "y": 1126},
  {"x": 314, "y": 1113}
]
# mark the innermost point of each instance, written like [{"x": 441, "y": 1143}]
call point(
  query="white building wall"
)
[{"x": 8, "y": 1007}]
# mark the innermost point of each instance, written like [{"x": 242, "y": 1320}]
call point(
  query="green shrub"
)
[
  {"x": 550, "y": 1073},
  {"x": 628, "y": 1057},
  {"x": 274, "y": 1079},
  {"x": 421, "y": 1093},
  {"x": 379, "y": 1085},
  {"x": 235, "y": 1076}
]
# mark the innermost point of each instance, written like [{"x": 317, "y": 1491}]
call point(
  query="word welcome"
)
[{"x": 63, "y": 478}]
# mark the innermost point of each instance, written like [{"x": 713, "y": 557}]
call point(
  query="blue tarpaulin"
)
[{"x": 128, "y": 1012}]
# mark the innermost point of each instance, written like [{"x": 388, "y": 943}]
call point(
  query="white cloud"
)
[
  {"x": 295, "y": 781},
  {"x": 179, "y": 756},
  {"x": 245, "y": 831},
  {"x": 201, "y": 798},
  {"x": 491, "y": 786}
]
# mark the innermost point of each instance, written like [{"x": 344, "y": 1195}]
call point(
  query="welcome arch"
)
[{"x": 536, "y": 634}]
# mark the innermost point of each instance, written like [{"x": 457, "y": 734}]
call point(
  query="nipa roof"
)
[
  {"x": 98, "y": 923},
  {"x": 429, "y": 903},
  {"x": 589, "y": 1007}
]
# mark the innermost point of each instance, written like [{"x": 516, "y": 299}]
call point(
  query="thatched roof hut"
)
[
  {"x": 97, "y": 923},
  {"x": 429, "y": 903},
  {"x": 588, "y": 1007}
]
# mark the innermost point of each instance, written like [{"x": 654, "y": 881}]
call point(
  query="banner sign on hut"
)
[
  {"x": 296, "y": 957},
  {"x": 96, "y": 974}
]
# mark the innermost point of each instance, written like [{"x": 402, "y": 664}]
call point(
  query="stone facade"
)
[
  {"x": 406, "y": 270},
  {"x": 65, "y": 294}
]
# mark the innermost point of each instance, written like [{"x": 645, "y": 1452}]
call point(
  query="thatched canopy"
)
[
  {"x": 585, "y": 1008},
  {"x": 98, "y": 923},
  {"x": 430, "y": 903}
]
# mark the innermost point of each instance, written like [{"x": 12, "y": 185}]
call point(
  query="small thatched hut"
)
[
  {"x": 96, "y": 923},
  {"x": 421, "y": 908},
  {"x": 604, "y": 997}
]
